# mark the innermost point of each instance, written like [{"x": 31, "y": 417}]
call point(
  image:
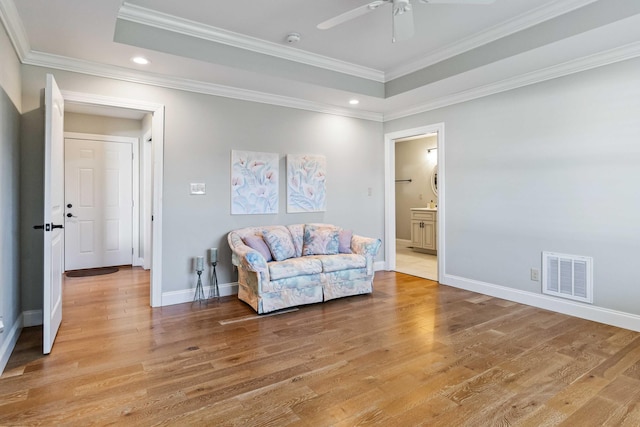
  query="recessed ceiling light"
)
[
  {"x": 140, "y": 60},
  {"x": 354, "y": 102}
]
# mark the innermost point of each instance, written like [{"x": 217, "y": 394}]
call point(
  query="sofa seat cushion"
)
[
  {"x": 294, "y": 267},
  {"x": 339, "y": 262},
  {"x": 296, "y": 283}
]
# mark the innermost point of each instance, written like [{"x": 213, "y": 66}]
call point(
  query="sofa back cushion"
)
[
  {"x": 280, "y": 243},
  {"x": 320, "y": 240},
  {"x": 344, "y": 239},
  {"x": 256, "y": 242},
  {"x": 297, "y": 231}
]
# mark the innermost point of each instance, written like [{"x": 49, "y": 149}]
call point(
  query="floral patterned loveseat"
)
[{"x": 285, "y": 266}]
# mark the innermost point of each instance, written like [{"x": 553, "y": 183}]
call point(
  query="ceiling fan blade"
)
[
  {"x": 354, "y": 13},
  {"x": 402, "y": 14},
  {"x": 457, "y": 1}
]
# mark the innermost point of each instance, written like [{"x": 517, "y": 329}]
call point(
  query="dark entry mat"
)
[{"x": 91, "y": 272}]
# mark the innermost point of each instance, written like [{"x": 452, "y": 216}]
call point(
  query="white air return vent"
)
[{"x": 567, "y": 276}]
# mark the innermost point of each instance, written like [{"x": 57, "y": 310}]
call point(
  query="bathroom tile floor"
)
[{"x": 415, "y": 263}]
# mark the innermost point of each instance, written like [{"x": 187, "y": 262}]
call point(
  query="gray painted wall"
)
[
  {"x": 554, "y": 166},
  {"x": 413, "y": 162},
  {"x": 10, "y": 304},
  {"x": 200, "y": 132},
  {"x": 102, "y": 125}
]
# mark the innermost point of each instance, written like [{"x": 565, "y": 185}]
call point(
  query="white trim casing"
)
[
  {"x": 186, "y": 295},
  {"x": 390, "y": 191},
  {"x": 153, "y": 18},
  {"x": 157, "y": 131},
  {"x": 32, "y": 318},
  {"x": 558, "y": 305},
  {"x": 10, "y": 341}
]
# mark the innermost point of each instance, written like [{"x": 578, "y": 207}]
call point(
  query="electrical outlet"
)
[{"x": 535, "y": 274}]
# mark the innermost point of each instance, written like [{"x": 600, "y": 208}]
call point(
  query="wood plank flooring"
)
[{"x": 412, "y": 353}]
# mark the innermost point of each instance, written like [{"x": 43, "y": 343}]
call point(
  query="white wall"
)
[
  {"x": 413, "y": 162},
  {"x": 10, "y": 305},
  {"x": 200, "y": 132},
  {"x": 554, "y": 166}
]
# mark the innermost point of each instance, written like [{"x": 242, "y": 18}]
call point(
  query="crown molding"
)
[
  {"x": 58, "y": 62},
  {"x": 600, "y": 59},
  {"x": 13, "y": 24},
  {"x": 144, "y": 16},
  {"x": 537, "y": 16}
]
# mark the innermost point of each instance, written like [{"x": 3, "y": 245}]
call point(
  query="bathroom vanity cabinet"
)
[{"x": 424, "y": 228}]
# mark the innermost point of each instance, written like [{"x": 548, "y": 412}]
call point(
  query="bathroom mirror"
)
[{"x": 434, "y": 180}]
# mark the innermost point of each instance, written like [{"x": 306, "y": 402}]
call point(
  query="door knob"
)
[
  {"x": 69, "y": 205},
  {"x": 70, "y": 215}
]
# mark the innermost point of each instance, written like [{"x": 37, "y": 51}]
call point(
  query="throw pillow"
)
[
  {"x": 297, "y": 231},
  {"x": 257, "y": 242},
  {"x": 344, "y": 238},
  {"x": 320, "y": 240},
  {"x": 280, "y": 243}
]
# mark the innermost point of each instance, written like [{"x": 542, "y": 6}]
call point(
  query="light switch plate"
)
[{"x": 198, "y": 188}]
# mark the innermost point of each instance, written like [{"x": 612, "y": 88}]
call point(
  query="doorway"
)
[
  {"x": 402, "y": 253},
  {"x": 118, "y": 107},
  {"x": 416, "y": 205}
]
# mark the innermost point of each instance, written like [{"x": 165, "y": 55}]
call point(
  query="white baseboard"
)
[
  {"x": 9, "y": 343},
  {"x": 32, "y": 318},
  {"x": 559, "y": 305},
  {"x": 379, "y": 266},
  {"x": 186, "y": 295}
]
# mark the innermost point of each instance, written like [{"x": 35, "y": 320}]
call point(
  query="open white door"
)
[{"x": 53, "y": 212}]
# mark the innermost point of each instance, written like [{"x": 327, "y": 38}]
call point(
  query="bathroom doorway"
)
[{"x": 414, "y": 206}]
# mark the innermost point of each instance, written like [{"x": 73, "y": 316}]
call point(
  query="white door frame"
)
[
  {"x": 157, "y": 130},
  {"x": 135, "y": 182},
  {"x": 390, "y": 192}
]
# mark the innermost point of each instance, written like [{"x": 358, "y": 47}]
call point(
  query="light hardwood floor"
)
[{"x": 412, "y": 353}]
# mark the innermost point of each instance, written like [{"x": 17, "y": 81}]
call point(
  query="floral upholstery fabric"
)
[
  {"x": 297, "y": 230},
  {"x": 294, "y": 267},
  {"x": 280, "y": 243},
  {"x": 344, "y": 239},
  {"x": 297, "y": 280},
  {"x": 343, "y": 283},
  {"x": 341, "y": 262},
  {"x": 257, "y": 242},
  {"x": 320, "y": 240}
]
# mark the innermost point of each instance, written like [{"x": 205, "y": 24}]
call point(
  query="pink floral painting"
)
[
  {"x": 254, "y": 183},
  {"x": 306, "y": 183}
]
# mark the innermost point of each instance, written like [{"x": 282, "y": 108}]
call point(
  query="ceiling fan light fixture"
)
[{"x": 401, "y": 7}]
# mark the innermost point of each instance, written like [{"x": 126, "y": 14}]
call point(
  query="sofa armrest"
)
[
  {"x": 365, "y": 245},
  {"x": 243, "y": 255},
  {"x": 368, "y": 247},
  {"x": 248, "y": 258}
]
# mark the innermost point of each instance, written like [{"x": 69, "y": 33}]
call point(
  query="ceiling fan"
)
[{"x": 401, "y": 13}]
